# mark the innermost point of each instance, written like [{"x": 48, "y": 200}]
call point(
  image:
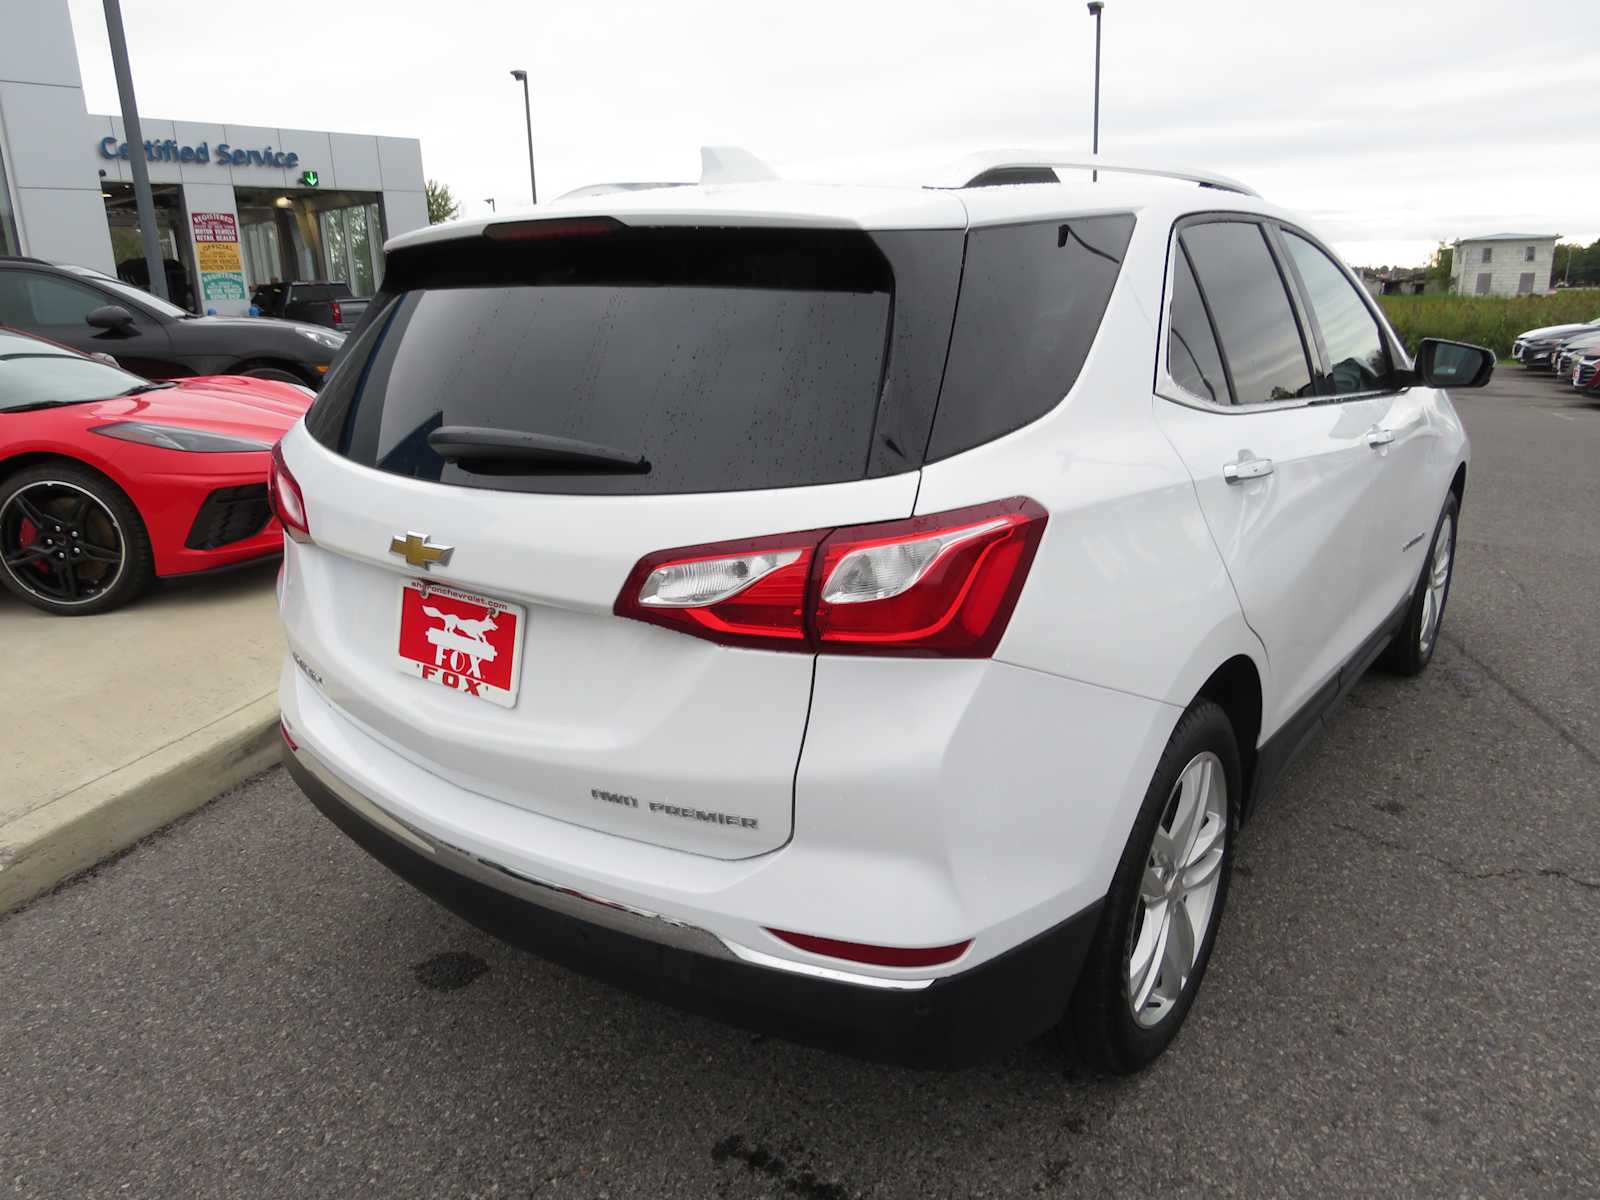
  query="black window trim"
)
[{"x": 1168, "y": 388}]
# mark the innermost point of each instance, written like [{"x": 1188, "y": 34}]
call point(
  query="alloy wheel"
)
[
  {"x": 1437, "y": 584},
  {"x": 1178, "y": 890},
  {"x": 61, "y": 543}
]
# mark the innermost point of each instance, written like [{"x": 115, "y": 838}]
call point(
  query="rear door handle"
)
[
  {"x": 1246, "y": 468},
  {"x": 1379, "y": 436}
]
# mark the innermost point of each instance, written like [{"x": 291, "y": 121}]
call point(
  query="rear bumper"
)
[{"x": 949, "y": 1021}]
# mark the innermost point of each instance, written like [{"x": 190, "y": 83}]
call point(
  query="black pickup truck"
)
[{"x": 319, "y": 302}]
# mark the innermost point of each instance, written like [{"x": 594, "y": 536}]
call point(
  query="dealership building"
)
[{"x": 236, "y": 205}]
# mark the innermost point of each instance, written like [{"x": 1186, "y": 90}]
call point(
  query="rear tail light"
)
[
  {"x": 288, "y": 502},
  {"x": 749, "y": 593},
  {"x": 943, "y": 585},
  {"x": 878, "y": 956},
  {"x": 338, "y": 313}
]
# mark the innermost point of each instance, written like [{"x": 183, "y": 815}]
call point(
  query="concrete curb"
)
[{"x": 89, "y": 824}]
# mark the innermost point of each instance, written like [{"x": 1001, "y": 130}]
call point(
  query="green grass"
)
[{"x": 1492, "y": 321}]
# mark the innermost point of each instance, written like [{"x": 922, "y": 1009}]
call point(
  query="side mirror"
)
[
  {"x": 112, "y": 317},
  {"x": 1443, "y": 364}
]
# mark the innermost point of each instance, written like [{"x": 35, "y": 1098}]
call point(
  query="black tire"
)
[
  {"x": 104, "y": 517},
  {"x": 1407, "y": 654},
  {"x": 1100, "y": 1020},
  {"x": 277, "y": 373}
]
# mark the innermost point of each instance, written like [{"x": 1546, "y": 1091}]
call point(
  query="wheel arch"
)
[
  {"x": 276, "y": 364},
  {"x": 1235, "y": 687},
  {"x": 1458, "y": 485}
]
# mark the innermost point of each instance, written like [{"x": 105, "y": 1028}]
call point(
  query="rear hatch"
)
[{"x": 719, "y": 383}]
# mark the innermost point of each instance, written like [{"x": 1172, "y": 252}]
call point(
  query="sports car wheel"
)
[{"x": 70, "y": 542}]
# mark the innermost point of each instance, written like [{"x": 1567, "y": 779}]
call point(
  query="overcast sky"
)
[{"x": 1389, "y": 125}]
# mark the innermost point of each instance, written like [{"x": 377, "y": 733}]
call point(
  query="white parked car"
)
[{"x": 867, "y": 613}]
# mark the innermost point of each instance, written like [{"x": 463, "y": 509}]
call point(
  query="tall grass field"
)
[{"x": 1492, "y": 321}]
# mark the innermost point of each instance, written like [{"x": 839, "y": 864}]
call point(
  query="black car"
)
[
  {"x": 328, "y": 302},
  {"x": 95, "y": 313}
]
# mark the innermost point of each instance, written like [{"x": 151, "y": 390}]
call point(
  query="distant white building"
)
[{"x": 1503, "y": 264}]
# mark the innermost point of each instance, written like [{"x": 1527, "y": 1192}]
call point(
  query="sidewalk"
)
[{"x": 116, "y": 725}]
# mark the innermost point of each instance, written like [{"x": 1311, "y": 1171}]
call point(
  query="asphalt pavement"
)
[{"x": 1402, "y": 1002}]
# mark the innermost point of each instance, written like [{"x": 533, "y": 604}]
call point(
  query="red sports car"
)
[{"x": 108, "y": 480}]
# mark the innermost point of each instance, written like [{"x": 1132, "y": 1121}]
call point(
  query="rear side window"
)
[
  {"x": 1250, "y": 305},
  {"x": 1357, "y": 358},
  {"x": 727, "y": 359},
  {"x": 1031, "y": 301}
]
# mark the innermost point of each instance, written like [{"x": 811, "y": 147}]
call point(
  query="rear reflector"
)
[
  {"x": 288, "y": 502},
  {"x": 288, "y": 738},
  {"x": 944, "y": 585},
  {"x": 877, "y": 956}
]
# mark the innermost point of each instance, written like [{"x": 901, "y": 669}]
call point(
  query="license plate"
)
[{"x": 468, "y": 643}]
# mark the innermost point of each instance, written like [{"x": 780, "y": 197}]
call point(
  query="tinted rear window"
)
[
  {"x": 1031, "y": 301},
  {"x": 729, "y": 359}
]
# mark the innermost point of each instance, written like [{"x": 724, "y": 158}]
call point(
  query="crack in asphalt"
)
[
  {"x": 1456, "y": 868},
  {"x": 1548, "y": 720}
]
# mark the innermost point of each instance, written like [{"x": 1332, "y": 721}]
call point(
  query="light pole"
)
[
  {"x": 136, "y": 158},
  {"x": 489, "y": 200},
  {"x": 527, "y": 110},
  {"x": 1096, "y": 7}
]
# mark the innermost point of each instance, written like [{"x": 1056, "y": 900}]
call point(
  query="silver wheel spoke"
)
[
  {"x": 1178, "y": 956},
  {"x": 1202, "y": 871},
  {"x": 1145, "y": 967}
]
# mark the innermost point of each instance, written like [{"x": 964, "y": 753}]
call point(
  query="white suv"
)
[{"x": 866, "y": 613}]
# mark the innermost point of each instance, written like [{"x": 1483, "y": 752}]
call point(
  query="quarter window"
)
[
  {"x": 1357, "y": 361},
  {"x": 1259, "y": 335},
  {"x": 1193, "y": 360}
]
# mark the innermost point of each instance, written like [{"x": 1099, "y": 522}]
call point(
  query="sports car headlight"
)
[
  {"x": 179, "y": 437},
  {"x": 326, "y": 338}
]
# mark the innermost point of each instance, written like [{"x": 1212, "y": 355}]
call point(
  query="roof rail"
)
[{"x": 970, "y": 171}]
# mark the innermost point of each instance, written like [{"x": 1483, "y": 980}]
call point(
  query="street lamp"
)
[
  {"x": 1096, "y": 7},
  {"x": 527, "y": 110}
]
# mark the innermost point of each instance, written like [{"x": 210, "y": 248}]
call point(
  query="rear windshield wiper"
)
[{"x": 473, "y": 445}]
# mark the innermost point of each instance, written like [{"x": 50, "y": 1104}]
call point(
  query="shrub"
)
[{"x": 1492, "y": 321}]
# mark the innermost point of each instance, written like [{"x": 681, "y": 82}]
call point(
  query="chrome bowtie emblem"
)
[{"x": 416, "y": 549}]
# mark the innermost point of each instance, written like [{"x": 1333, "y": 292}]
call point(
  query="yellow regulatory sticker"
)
[{"x": 218, "y": 256}]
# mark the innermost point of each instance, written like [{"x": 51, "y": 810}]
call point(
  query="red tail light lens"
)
[
  {"x": 878, "y": 956},
  {"x": 942, "y": 585},
  {"x": 745, "y": 593},
  {"x": 288, "y": 503},
  {"x": 338, "y": 313}
]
